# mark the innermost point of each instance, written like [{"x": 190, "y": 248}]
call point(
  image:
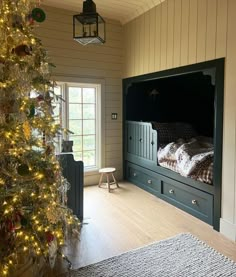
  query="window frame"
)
[{"x": 99, "y": 85}]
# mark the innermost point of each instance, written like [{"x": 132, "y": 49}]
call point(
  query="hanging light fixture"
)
[{"x": 89, "y": 26}]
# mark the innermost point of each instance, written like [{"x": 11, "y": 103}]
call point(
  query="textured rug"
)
[{"x": 180, "y": 256}]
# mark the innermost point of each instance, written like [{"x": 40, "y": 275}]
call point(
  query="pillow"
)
[
  {"x": 172, "y": 131},
  {"x": 185, "y": 130}
]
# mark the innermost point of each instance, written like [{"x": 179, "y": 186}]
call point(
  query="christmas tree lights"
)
[{"x": 33, "y": 212}]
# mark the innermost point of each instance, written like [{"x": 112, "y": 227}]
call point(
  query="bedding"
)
[
  {"x": 189, "y": 157},
  {"x": 172, "y": 131}
]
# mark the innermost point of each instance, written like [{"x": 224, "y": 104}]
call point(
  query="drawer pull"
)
[
  {"x": 140, "y": 140},
  {"x": 149, "y": 181},
  {"x": 135, "y": 174},
  {"x": 171, "y": 191},
  {"x": 194, "y": 202}
]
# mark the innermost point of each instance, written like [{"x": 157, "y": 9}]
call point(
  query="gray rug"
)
[{"x": 180, "y": 256}]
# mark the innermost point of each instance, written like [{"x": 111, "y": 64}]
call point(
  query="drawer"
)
[
  {"x": 135, "y": 174},
  {"x": 144, "y": 178},
  {"x": 194, "y": 201}
]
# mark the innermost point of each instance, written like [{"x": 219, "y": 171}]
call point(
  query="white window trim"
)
[{"x": 71, "y": 80}]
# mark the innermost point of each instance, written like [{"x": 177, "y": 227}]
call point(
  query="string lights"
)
[{"x": 33, "y": 213}]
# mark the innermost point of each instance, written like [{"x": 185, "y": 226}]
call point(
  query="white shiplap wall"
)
[
  {"x": 183, "y": 32},
  {"x": 102, "y": 62}
]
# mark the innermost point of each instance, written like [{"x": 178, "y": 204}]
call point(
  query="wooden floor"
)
[{"x": 128, "y": 218}]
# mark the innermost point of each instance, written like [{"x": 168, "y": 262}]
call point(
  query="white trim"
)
[
  {"x": 64, "y": 109},
  {"x": 98, "y": 126},
  {"x": 228, "y": 229},
  {"x": 100, "y": 130}
]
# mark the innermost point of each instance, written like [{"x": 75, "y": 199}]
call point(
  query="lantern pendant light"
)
[{"x": 89, "y": 26}]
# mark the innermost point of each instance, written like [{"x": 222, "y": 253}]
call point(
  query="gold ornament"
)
[{"x": 27, "y": 129}]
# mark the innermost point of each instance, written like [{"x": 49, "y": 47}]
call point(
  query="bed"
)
[
  {"x": 183, "y": 150},
  {"x": 172, "y": 136},
  {"x": 149, "y": 151}
]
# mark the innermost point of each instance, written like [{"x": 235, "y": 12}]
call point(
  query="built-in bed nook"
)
[{"x": 173, "y": 123}]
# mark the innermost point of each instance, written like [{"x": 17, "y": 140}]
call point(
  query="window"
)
[{"x": 80, "y": 113}]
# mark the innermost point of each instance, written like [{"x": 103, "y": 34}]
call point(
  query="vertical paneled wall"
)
[
  {"x": 182, "y": 32},
  {"x": 103, "y": 62},
  {"x": 176, "y": 33}
]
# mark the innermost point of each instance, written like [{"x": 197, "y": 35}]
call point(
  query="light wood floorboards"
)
[{"x": 128, "y": 218}]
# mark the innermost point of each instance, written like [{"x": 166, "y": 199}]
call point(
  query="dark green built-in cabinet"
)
[
  {"x": 73, "y": 171},
  {"x": 192, "y": 94}
]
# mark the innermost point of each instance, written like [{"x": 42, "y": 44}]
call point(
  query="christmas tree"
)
[{"x": 33, "y": 212}]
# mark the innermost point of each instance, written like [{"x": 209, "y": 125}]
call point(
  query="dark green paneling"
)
[
  {"x": 191, "y": 200},
  {"x": 144, "y": 178},
  {"x": 205, "y": 113},
  {"x": 197, "y": 203},
  {"x": 218, "y": 141},
  {"x": 141, "y": 140},
  {"x": 73, "y": 171}
]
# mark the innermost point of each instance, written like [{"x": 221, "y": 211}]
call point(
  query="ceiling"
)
[{"x": 121, "y": 10}]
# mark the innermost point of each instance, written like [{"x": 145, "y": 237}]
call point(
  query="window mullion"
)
[{"x": 67, "y": 108}]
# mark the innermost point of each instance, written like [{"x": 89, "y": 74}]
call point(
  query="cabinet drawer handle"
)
[
  {"x": 140, "y": 140},
  {"x": 149, "y": 181},
  {"x": 194, "y": 202},
  {"x": 135, "y": 174},
  {"x": 171, "y": 191}
]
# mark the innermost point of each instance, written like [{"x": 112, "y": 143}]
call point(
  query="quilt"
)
[{"x": 192, "y": 158}]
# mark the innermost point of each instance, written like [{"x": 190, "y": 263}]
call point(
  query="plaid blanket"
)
[{"x": 192, "y": 158}]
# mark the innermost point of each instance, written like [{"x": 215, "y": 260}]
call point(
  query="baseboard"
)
[{"x": 228, "y": 229}]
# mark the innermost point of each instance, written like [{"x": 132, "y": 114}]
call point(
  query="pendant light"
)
[{"x": 89, "y": 26}]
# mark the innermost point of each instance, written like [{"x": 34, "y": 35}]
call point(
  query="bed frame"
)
[
  {"x": 140, "y": 157},
  {"x": 194, "y": 197}
]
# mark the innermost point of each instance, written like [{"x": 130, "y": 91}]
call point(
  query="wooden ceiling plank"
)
[{"x": 121, "y": 10}]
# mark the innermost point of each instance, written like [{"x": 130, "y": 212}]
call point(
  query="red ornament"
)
[
  {"x": 29, "y": 19},
  {"x": 9, "y": 225},
  {"x": 22, "y": 50},
  {"x": 49, "y": 236},
  {"x": 40, "y": 98}
]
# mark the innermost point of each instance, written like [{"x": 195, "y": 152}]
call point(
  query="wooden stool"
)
[{"x": 107, "y": 171}]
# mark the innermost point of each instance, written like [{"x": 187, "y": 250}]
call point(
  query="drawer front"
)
[
  {"x": 143, "y": 178},
  {"x": 135, "y": 174},
  {"x": 196, "y": 202}
]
